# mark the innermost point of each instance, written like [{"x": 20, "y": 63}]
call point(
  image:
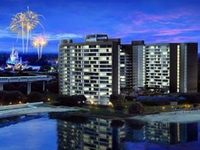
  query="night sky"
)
[{"x": 149, "y": 20}]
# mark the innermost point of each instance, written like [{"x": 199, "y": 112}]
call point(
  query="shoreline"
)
[{"x": 171, "y": 117}]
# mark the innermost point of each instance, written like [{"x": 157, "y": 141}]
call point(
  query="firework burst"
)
[
  {"x": 39, "y": 42},
  {"x": 22, "y": 24}
]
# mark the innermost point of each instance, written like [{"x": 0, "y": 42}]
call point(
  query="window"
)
[
  {"x": 94, "y": 50},
  {"x": 105, "y": 46},
  {"x": 92, "y": 46}
]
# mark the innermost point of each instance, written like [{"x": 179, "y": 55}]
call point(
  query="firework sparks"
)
[
  {"x": 39, "y": 42},
  {"x": 22, "y": 24}
]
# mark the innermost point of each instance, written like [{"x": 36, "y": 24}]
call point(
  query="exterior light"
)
[{"x": 110, "y": 104}]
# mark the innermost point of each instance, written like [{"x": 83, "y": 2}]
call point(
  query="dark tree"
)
[
  {"x": 12, "y": 97},
  {"x": 74, "y": 100},
  {"x": 118, "y": 101},
  {"x": 136, "y": 108},
  {"x": 36, "y": 97},
  {"x": 116, "y": 123}
]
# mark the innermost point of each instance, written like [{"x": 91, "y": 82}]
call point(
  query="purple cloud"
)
[
  {"x": 174, "y": 39},
  {"x": 140, "y": 17},
  {"x": 176, "y": 31},
  {"x": 169, "y": 25}
]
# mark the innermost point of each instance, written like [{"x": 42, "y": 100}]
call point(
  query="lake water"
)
[{"x": 51, "y": 132}]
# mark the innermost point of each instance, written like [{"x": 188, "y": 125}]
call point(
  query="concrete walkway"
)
[{"x": 23, "y": 109}]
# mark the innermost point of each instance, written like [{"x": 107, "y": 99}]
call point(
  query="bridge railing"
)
[{"x": 25, "y": 78}]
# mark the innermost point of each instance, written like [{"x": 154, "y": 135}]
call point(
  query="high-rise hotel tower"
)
[
  {"x": 100, "y": 66},
  {"x": 168, "y": 66},
  {"x": 91, "y": 68}
]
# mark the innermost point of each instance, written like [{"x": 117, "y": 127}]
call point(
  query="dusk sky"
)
[{"x": 149, "y": 20}]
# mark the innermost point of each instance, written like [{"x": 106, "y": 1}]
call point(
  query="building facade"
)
[
  {"x": 126, "y": 65},
  {"x": 168, "y": 66},
  {"x": 138, "y": 64},
  {"x": 100, "y": 66},
  {"x": 91, "y": 68}
]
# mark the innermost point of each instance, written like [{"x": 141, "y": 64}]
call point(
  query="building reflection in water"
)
[
  {"x": 80, "y": 133},
  {"x": 161, "y": 133},
  {"x": 135, "y": 131},
  {"x": 91, "y": 134},
  {"x": 171, "y": 133},
  {"x": 161, "y": 136}
]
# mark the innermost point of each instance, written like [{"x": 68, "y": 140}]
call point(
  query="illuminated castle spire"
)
[{"x": 14, "y": 58}]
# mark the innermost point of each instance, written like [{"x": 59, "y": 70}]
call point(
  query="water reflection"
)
[
  {"x": 64, "y": 132},
  {"x": 161, "y": 136},
  {"x": 93, "y": 134},
  {"x": 97, "y": 133},
  {"x": 171, "y": 133},
  {"x": 135, "y": 131}
]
